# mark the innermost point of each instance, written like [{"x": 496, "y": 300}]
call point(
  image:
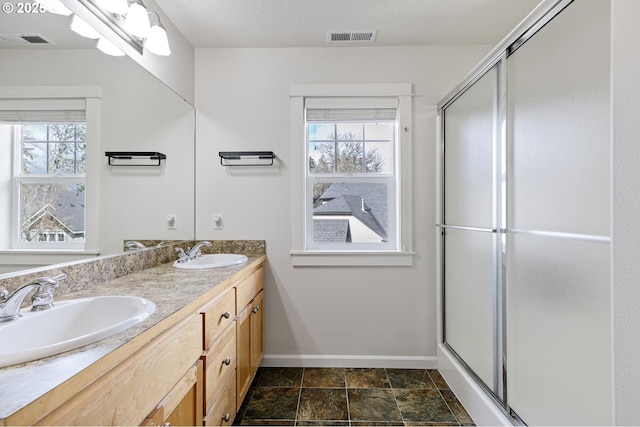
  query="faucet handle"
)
[
  {"x": 46, "y": 282},
  {"x": 4, "y": 295},
  {"x": 42, "y": 298},
  {"x": 182, "y": 256}
]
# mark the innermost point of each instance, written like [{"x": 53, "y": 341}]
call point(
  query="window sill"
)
[
  {"x": 28, "y": 257},
  {"x": 318, "y": 258}
]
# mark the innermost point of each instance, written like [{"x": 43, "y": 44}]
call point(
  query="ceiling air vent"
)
[
  {"x": 351, "y": 36},
  {"x": 21, "y": 39}
]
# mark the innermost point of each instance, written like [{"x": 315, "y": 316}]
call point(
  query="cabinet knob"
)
[
  {"x": 227, "y": 361},
  {"x": 226, "y": 314},
  {"x": 226, "y": 417},
  {"x": 256, "y": 309}
]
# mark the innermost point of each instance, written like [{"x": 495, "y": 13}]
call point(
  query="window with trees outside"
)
[
  {"x": 47, "y": 172},
  {"x": 49, "y": 186},
  {"x": 355, "y": 200},
  {"x": 351, "y": 176}
]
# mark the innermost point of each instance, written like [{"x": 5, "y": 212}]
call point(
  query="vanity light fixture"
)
[
  {"x": 128, "y": 19},
  {"x": 137, "y": 20},
  {"x": 80, "y": 26},
  {"x": 157, "y": 42},
  {"x": 109, "y": 48}
]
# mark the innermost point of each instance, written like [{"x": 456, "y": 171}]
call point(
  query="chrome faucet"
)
[
  {"x": 195, "y": 252},
  {"x": 42, "y": 299},
  {"x": 191, "y": 253},
  {"x": 133, "y": 245}
]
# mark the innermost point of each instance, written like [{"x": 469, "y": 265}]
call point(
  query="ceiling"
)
[{"x": 305, "y": 23}]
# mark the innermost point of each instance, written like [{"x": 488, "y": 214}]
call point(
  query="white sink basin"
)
[
  {"x": 68, "y": 325},
  {"x": 211, "y": 261}
]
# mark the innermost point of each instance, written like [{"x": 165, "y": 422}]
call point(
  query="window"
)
[
  {"x": 48, "y": 146},
  {"x": 49, "y": 184},
  {"x": 351, "y": 174},
  {"x": 353, "y": 201}
]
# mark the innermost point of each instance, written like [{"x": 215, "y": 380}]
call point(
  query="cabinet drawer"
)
[
  {"x": 182, "y": 406},
  {"x": 130, "y": 391},
  {"x": 217, "y": 316},
  {"x": 224, "y": 410},
  {"x": 220, "y": 364},
  {"x": 248, "y": 288}
]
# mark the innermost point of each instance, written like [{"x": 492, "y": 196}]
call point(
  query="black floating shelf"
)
[
  {"x": 135, "y": 157},
  {"x": 237, "y": 158}
]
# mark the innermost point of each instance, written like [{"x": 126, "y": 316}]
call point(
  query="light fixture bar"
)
[{"x": 132, "y": 41}]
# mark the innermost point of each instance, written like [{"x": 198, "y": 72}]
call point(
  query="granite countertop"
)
[{"x": 169, "y": 288}]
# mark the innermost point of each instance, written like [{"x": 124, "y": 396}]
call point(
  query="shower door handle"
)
[{"x": 459, "y": 227}]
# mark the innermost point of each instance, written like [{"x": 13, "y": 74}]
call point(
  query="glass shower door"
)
[
  {"x": 470, "y": 241},
  {"x": 558, "y": 284}
]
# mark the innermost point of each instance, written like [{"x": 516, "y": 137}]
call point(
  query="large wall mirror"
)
[{"x": 137, "y": 112}]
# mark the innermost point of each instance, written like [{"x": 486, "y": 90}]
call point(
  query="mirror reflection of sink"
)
[
  {"x": 68, "y": 325},
  {"x": 212, "y": 261}
]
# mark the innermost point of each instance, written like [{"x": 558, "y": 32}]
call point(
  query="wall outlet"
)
[
  {"x": 172, "y": 222},
  {"x": 217, "y": 222}
]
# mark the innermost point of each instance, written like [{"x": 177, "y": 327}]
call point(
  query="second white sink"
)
[
  {"x": 69, "y": 325},
  {"x": 211, "y": 261}
]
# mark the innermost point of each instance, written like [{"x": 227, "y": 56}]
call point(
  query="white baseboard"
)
[
  {"x": 481, "y": 407},
  {"x": 348, "y": 361}
]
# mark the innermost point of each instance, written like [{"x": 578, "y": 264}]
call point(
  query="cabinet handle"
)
[
  {"x": 256, "y": 309},
  {"x": 226, "y": 417},
  {"x": 226, "y": 314},
  {"x": 227, "y": 361}
]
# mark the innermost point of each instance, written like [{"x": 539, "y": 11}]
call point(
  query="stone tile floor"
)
[{"x": 351, "y": 397}]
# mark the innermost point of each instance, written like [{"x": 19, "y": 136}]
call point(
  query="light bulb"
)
[
  {"x": 109, "y": 48},
  {"x": 157, "y": 42},
  {"x": 137, "y": 20},
  {"x": 119, "y": 7},
  {"x": 79, "y": 26}
]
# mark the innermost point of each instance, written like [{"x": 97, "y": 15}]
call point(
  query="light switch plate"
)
[
  {"x": 172, "y": 222},
  {"x": 217, "y": 222}
]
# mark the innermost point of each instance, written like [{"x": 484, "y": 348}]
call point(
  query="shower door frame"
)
[{"x": 543, "y": 13}]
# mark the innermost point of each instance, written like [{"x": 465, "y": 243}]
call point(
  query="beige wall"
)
[{"x": 361, "y": 316}]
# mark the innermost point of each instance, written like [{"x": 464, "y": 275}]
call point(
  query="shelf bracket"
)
[
  {"x": 238, "y": 158},
  {"x": 137, "y": 158}
]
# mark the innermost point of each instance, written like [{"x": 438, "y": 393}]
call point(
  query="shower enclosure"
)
[{"x": 525, "y": 221}]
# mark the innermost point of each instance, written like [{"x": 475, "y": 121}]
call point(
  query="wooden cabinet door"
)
[
  {"x": 243, "y": 354},
  {"x": 257, "y": 331},
  {"x": 183, "y": 405},
  {"x": 189, "y": 410}
]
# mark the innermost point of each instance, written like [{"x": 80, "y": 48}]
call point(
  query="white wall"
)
[
  {"x": 625, "y": 70},
  {"x": 373, "y": 316},
  {"x": 138, "y": 113}
]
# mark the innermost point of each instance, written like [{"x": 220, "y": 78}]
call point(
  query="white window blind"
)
[
  {"x": 42, "y": 110},
  {"x": 351, "y": 109}
]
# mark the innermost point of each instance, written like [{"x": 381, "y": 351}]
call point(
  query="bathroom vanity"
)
[{"x": 189, "y": 363}]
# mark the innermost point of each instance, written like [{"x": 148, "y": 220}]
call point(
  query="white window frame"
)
[
  {"x": 92, "y": 98},
  {"x": 400, "y": 252}
]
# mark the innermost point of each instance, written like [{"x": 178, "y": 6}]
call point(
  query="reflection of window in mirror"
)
[{"x": 46, "y": 183}]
